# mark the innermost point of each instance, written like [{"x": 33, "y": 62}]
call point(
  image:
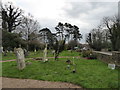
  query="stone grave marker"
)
[
  {"x": 45, "y": 54},
  {"x": 111, "y": 66},
  {"x": 20, "y": 58}
]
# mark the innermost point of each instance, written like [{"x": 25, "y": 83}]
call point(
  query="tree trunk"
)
[{"x": 56, "y": 56}]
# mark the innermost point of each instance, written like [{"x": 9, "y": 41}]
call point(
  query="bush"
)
[
  {"x": 78, "y": 50},
  {"x": 88, "y": 54}
]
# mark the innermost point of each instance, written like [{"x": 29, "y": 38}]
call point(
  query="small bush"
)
[
  {"x": 88, "y": 54},
  {"x": 78, "y": 50}
]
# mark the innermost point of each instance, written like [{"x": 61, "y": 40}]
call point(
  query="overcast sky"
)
[{"x": 86, "y": 15}]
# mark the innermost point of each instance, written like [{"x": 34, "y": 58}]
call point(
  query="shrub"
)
[
  {"x": 88, "y": 54},
  {"x": 78, "y": 50}
]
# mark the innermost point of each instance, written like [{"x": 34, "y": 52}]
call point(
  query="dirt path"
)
[{"x": 28, "y": 83}]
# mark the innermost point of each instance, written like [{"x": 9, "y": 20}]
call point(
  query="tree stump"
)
[{"x": 20, "y": 58}]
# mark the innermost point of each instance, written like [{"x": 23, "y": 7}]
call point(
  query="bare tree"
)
[
  {"x": 29, "y": 28},
  {"x": 113, "y": 26},
  {"x": 11, "y": 16},
  {"x": 95, "y": 38}
]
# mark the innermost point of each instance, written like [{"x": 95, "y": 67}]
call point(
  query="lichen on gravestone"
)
[{"x": 20, "y": 58}]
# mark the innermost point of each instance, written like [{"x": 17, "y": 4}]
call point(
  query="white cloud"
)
[{"x": 85, "y": 14}]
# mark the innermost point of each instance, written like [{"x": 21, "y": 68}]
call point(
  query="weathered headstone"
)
[
  {"x": 111, "y": 66},
  {"x": 45, "y": 54},
  {"x": 20, "y": 58}
]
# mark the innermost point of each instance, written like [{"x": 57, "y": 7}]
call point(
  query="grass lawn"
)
[
  {"x": 90, "y": 73},
  {"x": 40, "y": 54},
  {"x": 9, "y": 56}
]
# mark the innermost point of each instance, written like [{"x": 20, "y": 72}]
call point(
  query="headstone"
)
[
  {"x": 1, "y": 49},
  {"x": 53, "y": 52},
  {"x": 35, "y": 50},
  {"x": 7, "y": 51},
  {"x": 111, "y": 66},
  {"x": 20, "y": 58},
  {"x": 25, "y": 52},
  {"x": 11, "y": 52},
  {"x": 73, "y": 61},
  {"x": 45, "y": 54}
]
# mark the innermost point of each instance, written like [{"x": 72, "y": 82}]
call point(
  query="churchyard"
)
[
  {"x": 90, "y": 73},
  {"x": 81, "y": 49}
]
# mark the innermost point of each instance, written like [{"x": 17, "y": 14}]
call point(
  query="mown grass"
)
[
  {"x": 39, "y": 54},
  {"x": 9, "y": 56},
  {"x": 89, "y": 73},
  {"x": 69, "y": 53}
]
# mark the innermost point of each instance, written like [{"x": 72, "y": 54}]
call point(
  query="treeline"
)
[
  {"x": 20, "y": 30},
  {"x": 106, "y": 35}
]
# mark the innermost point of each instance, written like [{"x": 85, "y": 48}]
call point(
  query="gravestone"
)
[
  {"x": 45, "y": 54},
  {"x": 35, "y": 51},
  {"x": 11, "y": 52},
  {"x": 25, "y": 52},
  {"x": 1, "y": 49},
  {"x": 111, "y": 66},
  {"x": 53, "y": 52},
  {"x": 20, "y": 58}
]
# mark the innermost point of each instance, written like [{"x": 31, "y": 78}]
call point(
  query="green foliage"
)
[
  {"x": 72, "y": 44},
  {"x": 58, "y": 46},
  {"x": 89, "y": 73},
  {"x": 35, "y": 44},
  {"x": 9, "y": 56},
  {"x": 95, "y": 39},
  {"x": 11, "y": 40},
  {"x": 69, "y": 53},
  {"x": 88, "y": 54}
]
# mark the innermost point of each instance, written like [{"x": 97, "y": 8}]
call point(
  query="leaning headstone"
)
[{"x": 20, "y": 58}]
